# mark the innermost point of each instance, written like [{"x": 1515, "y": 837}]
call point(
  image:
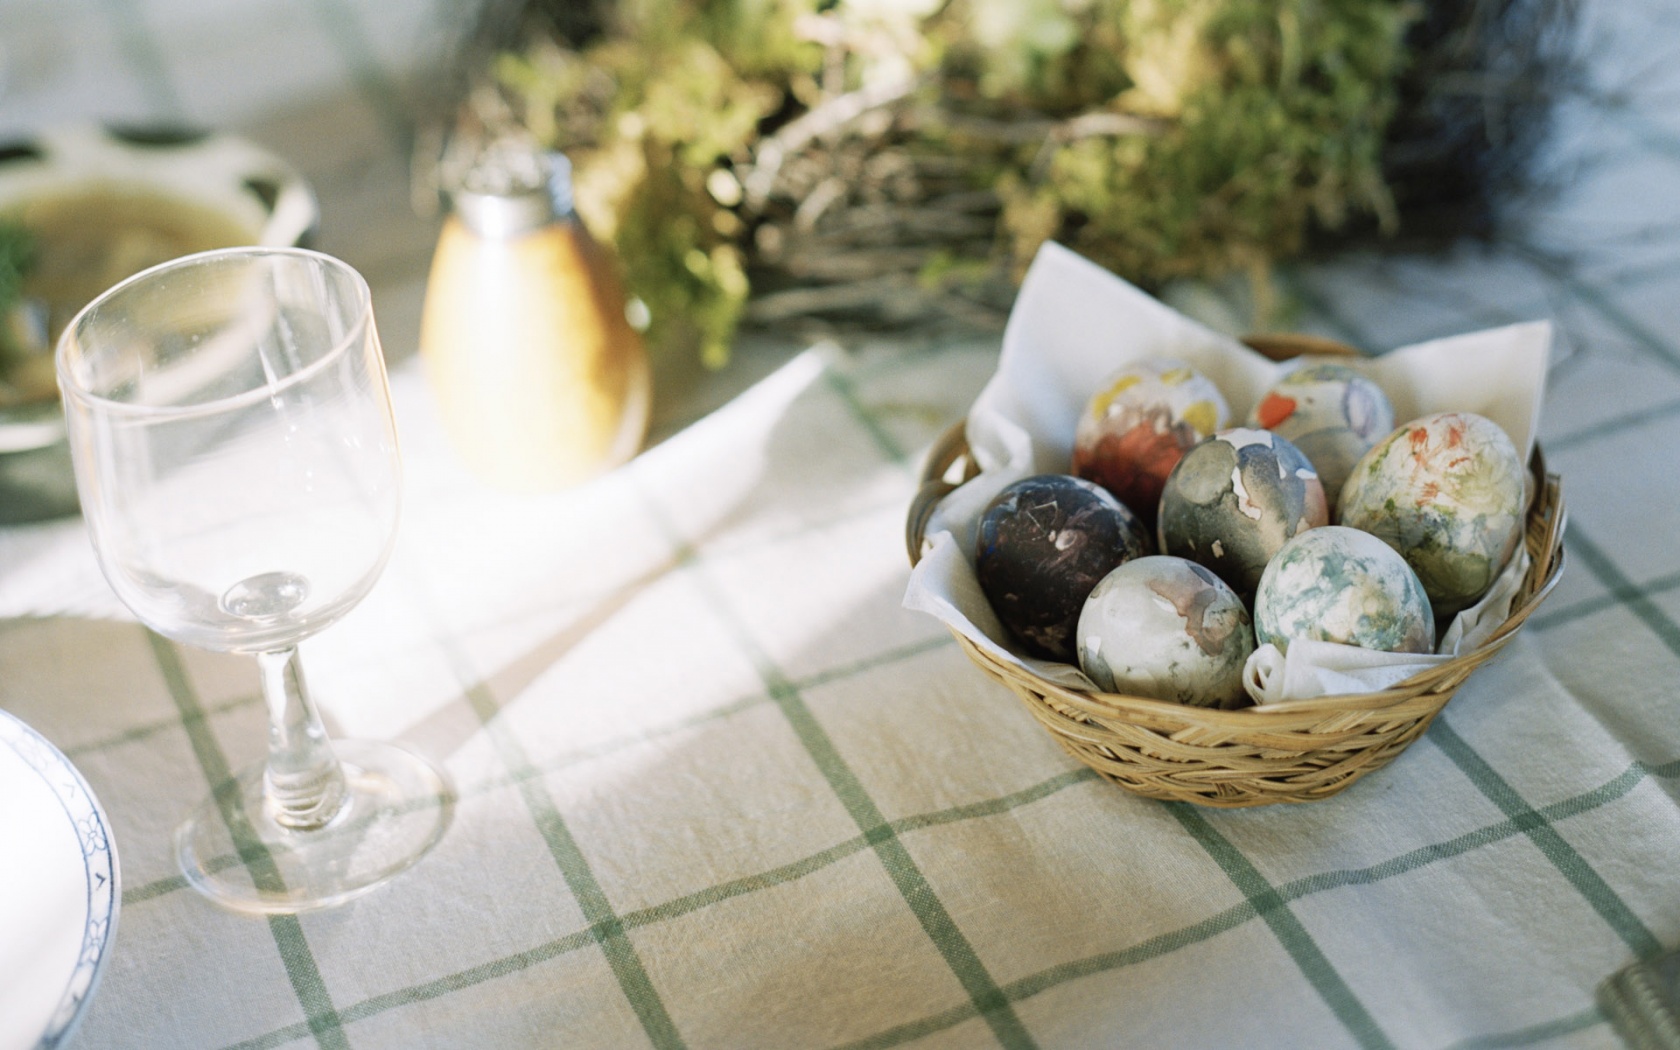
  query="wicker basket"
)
[{"x": 1291, "y": 752}]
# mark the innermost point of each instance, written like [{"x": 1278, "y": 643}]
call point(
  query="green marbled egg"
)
[{"x": 1336, "y": 584}]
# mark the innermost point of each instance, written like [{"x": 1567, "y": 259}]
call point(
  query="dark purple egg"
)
[{"x": 1045, "y": 542}]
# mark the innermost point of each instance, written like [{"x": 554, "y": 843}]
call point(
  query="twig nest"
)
[
  {"x": 1331, "y": 413},
  {"x": 1166, "y": 628},
  {"x": 1447, "y": 492},
  {"x": 1044, "y": 542},
  {"x": 1234, "y": 500},
  {"x": 1138, "y": 425},
  {"x": 1336, "y": 584}
]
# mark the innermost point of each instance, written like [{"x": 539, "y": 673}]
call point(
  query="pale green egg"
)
[{"x": 1336, "y": 584}]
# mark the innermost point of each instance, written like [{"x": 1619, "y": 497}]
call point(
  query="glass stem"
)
[{"x": 303, "y": 784}]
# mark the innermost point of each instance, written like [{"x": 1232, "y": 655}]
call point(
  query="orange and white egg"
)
[
  {"x": 1448, "y": 491},
  {"x": 1139, "y": 423},
  {"x": 1331, "y": 412}
]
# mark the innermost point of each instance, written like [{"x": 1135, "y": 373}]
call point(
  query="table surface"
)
[{"x": 718, "y": 789}]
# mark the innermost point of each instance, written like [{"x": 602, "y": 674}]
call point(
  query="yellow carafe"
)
[{"x": 539, "y": 379}]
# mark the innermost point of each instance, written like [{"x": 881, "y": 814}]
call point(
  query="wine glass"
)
[{"x": 237, "y": 462}]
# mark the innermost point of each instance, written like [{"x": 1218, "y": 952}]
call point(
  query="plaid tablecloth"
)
[{"x": 719, "y": 790}]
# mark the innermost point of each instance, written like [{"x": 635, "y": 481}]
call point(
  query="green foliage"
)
[
  {"x": 645, "y": 116},
  {"x": 1182, "y": 137},
  {"x": 17, "y": 256},
  {"x": 1281, "y": 128},
  {"x": 691, "y": 276}
]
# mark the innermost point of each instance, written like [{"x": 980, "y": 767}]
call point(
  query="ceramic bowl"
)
[{"x": 102, "y": 203}]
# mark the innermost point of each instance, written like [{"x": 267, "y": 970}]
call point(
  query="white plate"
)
[{"x": 59, "y": 891}]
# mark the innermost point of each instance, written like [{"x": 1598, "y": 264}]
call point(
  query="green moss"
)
[
  {"x": 1258, "y": 120},
  {"x": 17, "y": 256}
]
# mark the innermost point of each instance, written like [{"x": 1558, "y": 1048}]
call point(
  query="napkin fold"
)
[{"x": 1073, "y": 324}]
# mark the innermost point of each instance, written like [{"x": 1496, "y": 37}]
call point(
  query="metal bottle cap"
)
[{"x": 512, "y": 189}]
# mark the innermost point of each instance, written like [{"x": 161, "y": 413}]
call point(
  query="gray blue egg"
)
[
  {"x": 1044, "y": 542},
  {"x": 1167, "y": 629},
  {"x": 1235, "y": 499},
  {"x": 1337, "y": 584}
]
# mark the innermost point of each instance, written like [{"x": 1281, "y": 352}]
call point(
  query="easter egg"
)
[
  {"x": 1331, "y": 413},
  {"x": 1338, "y": 584},
  {"x": 1043, "y": 544},
  {"x": 1137, "y": 425},
  {"x": 1448, "y": 492},
  {"x": 1235, "y": 499},
  {"x": 1168, "y": 629}
]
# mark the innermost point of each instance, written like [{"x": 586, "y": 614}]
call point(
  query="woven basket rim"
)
[{"x": 1543, "y": 536}]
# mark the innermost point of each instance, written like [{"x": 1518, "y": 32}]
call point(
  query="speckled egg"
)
[
  {"x": 1138, "y": 424},
  {"x": 1235, "y": 499},
  {"x": 1338, "y": 584},
  {"x": 1043, "y": 544},
  {"x": 1332, "y": 414},
  {"x": 1448, "y": 492},
  {"x": 1168, "y": 629}
]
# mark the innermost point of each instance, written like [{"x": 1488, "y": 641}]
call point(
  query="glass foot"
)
[{"x": 396, "y": 808}]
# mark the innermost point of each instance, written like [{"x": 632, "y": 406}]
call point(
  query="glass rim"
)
[{"x": 70, "y": 389}]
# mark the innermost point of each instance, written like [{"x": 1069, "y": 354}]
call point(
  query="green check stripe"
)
[
  {"x": 924, "y": 903},
  {"x": 150, "y": 729},
  {"x": 675, "y": 908},
  {"x": 1033, "y": 984},
  {"x": 1299, "y": 943},
  {"x": 443, "y": 986},
  {"x": 1635, "y": 598},
  {"x": 567, "y": 760},
  {"x": 1606, "y": 308},
  {"x": 324, "y": 1022},
  {"x": 1574, "y": 867},
  {"x": 847, "y": 392},
  {"x": 1615, "y": 425},
  {"x": 1539, "y": 1033},
  {"x": 1619, "y": 597},
  {"x": 1239, "y": 914},
  {"x": 817, "y": 861},
  {"x": 1357, "y": 335},
  {"x": 605, "y": 926}
]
